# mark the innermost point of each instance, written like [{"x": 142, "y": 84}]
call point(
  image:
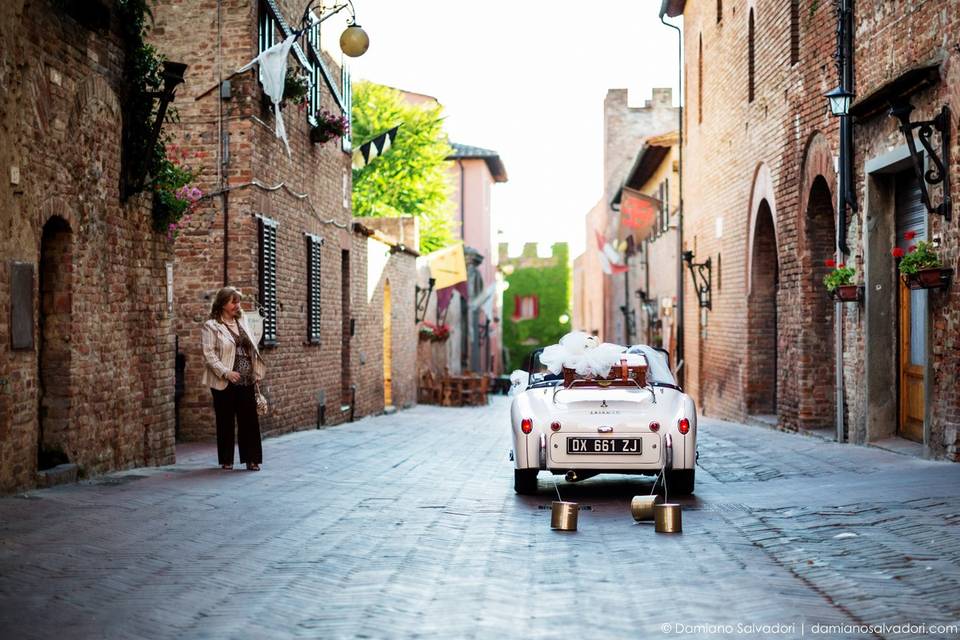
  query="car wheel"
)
[
  {"x": 680, "y": 482},
  {"x": 525, "y": 481}
]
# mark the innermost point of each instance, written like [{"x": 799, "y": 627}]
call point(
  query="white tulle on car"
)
[{"x": 586, "y": 355}]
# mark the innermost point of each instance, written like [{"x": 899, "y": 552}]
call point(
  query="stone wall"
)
[{"x": 96, "y": 387}]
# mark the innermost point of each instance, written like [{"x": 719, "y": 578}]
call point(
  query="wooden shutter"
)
[
  {"x": 313, "y": 55},
  {"x": 313, "y": 288},
  {"x": 268, "y": 279},
  {"x": 347, "y": 86},
  {"x": 265, "y": 28}
]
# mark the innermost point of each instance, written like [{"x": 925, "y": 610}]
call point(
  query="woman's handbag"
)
[{"x": 262, "y": 407}]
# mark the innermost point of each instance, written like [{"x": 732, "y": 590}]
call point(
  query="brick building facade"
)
[
  {"x": 277, "y": 226},
  {"x": 760, "y": 163},
  {"x": 650, "y": 229},
  {"x": 87, "y": 348},
  {"x": 624, "y": 129}
]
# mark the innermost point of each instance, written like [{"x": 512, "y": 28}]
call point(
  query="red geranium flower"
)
[
  {"x": 896, "y": 252},
  {"x": 830, "y": 262},
  {"x": 841, "y": 266},
  {"x": 911, "y": 248},
  {"x": 909, "y": 235}
]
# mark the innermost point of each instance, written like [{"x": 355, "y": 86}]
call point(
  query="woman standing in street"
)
[{"x": 233, "y": 368}]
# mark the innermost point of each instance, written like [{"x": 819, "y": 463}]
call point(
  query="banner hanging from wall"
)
[{"x": 639, "y": 212}]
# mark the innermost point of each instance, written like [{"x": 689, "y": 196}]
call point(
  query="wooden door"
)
[
  {"x": 912, "y": 363},
  {"x": 911, "y": 220},
  {"x": 387, "y": 344}
]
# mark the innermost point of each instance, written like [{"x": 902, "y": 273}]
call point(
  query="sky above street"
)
[{"x": 526, "y": 78}]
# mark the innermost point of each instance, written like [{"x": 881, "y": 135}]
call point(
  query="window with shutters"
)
[
  {"x": 666, "y": 205},
  {"x": 750, "y": 58},
  {"x": 313, "y": 288},
  {"x": 268, "y": 279},
  {"x": 346, "y": 141},
  {"x": 266, "y": 28},
  {"x": 526, "y": 307},
  {"x": 700, "y": 82},
  {"x": 316, "y": 77},
  {"x": 794, "y": 31}
]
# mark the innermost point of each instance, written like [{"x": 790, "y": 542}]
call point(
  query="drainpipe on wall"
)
[
  {"x": 845, "y": 190},
  {"x": 680, "y": 364}
]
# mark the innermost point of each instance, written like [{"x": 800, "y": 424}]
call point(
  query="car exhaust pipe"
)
[{"x": 576, "y": 476}]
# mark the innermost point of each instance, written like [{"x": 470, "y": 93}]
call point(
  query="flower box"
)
[
  {"x": 847, "y": 293},
  {"x": 932, "y": 278}
]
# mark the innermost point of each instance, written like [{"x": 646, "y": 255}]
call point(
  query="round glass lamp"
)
[{"x": 354, "y": 41}]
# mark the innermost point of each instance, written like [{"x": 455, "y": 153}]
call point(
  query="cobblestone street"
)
[{"x": 406, "y": 525}]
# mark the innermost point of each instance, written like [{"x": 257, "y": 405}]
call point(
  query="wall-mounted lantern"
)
[
  {"x": 702, "y": 274},
  {"x": 422, "y": 299},
  {"x": 939, "y": 173}
]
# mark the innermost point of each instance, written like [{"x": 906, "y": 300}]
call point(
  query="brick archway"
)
[
  {"x": 55, "y": 355},
  {"x": 763, "y": 284},
  {"x": 816, "y": 242}
]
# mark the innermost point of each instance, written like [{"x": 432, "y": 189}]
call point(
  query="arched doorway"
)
[
  {"x": 54, "y": 356},
  {"x": 817, "y": 364},
  {"x": 387, "y": 347},
  {"x": 761, "y": 395}
]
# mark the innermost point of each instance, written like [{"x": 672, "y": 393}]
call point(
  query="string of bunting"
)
[{"x": 374, "y": 148}]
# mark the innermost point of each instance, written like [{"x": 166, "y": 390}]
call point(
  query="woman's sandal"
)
[
  {"x": 226, "y": 467},
  {"x": 253, "y": 466}
]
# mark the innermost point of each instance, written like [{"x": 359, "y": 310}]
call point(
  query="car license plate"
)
[{"x": 628, "y": 446}]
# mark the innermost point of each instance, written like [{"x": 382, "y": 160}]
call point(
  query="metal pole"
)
[{"x": 681, "y": 365}]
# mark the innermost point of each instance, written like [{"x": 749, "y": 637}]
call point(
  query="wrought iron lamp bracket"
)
[
  {"x": 421, "y": 299},
  {"x": 630, "y": 319},
  {"x": 702, "y": 274},
  {"x": 939, "y": 172}
]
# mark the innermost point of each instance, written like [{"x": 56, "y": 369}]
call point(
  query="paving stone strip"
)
[{"x": 407, "y": 526}]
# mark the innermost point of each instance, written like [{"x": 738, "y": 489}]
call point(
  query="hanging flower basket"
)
[
  {"x": 920, "y": 266},
  {"x": 848, "y": 293},
  {"x": 433, "y": 332},
  {"x": 329, "y": 127},
  {"x": 933, "y": 278},
  {"x": 839, "y": 282}
]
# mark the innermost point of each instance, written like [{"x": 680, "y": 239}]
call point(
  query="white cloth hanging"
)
[{"x": 273, "y": 74}]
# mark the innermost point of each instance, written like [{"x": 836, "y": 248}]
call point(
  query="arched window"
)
[
  {"x": 794, "y": 31},
  {"x": 750, "y": 54},
  {"x": 700, "y": 81}
]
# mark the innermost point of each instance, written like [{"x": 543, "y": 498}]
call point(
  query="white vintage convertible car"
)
[{"x": 587, "y": 427}]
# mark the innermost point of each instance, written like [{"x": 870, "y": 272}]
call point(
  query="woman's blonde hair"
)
[{"x": 224, "y": 296}]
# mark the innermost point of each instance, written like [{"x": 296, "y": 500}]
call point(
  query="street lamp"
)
[
  {"x": 839, "y": 101},
  {"x": 354, "y": 41}
]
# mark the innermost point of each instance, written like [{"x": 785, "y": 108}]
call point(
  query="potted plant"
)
[
  {"x": 329, "y": 126},
  {"x": 434, "y": 332},
  {"x": 295, "y": 88},
  {"x": 839, "y": 282},
  {"x": 920, "y": 266},
  {"x": 175, "y": 194}
]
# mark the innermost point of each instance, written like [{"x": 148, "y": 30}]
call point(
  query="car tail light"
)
[
  {"x": 654, "y": 426},
  {"x": 555, "y": 426},
  {"x": 684, "y": 426},
  {"x": 526, "y": 425}
]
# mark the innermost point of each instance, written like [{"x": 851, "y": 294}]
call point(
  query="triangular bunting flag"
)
[{"x": 369, "y": 151}]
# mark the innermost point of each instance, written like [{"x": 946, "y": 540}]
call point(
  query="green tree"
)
[{"x": 412, "y": 178}]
